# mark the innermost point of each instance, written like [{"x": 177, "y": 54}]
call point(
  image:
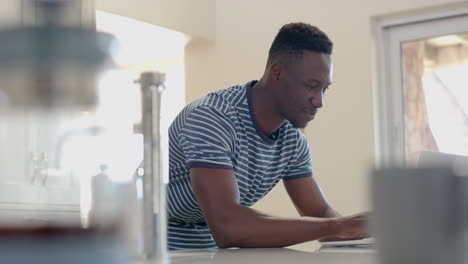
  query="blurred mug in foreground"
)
[{"x": 420, "y": 215}]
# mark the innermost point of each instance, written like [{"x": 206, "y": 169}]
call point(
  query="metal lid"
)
[
  {"x": 55, "y": 44},
  {"x": 50, "y": 64}
]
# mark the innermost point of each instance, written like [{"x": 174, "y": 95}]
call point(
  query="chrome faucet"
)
[
  {"x": 154, "y": 167},
  {"x": 39, "y": 169}
]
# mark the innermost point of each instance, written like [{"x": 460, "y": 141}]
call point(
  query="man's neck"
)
[{"x": 265, "y": 111}]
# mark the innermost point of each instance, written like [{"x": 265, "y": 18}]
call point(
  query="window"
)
[{"x": 422, "y": 97}]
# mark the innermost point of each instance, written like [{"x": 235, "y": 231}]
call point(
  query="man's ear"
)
[{"x": 276, "y": 70}]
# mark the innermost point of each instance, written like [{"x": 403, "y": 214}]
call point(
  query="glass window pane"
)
[{"x": 435, "y": 95}]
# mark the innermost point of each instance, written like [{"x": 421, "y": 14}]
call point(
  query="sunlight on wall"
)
[
  {"x": 114, "y": 149},
  {"x": 146, "y": 47}
]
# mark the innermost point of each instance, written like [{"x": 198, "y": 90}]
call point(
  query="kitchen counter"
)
[
  {"x": 74, "y": 246},
  {"x": 274, "y": 256}
]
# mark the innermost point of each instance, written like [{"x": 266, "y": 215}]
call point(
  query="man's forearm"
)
[
  {"x": 330, "y": 213},
  {"x": 246, "y": 227},
  {"x": 233, "y": 225}
]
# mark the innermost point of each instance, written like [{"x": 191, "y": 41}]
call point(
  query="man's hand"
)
[{"x": 350, "y": 227}]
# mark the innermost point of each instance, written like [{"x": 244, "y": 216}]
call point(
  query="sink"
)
[{"x": 26, "y": 204}]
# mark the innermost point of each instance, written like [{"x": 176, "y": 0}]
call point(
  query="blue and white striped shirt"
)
[{"x": 219, "y": 131}]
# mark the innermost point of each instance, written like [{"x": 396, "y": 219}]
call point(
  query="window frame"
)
[{"x": 387, "y": 33}]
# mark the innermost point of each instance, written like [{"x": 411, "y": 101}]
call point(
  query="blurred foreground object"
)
[
  {"x": 60, "y": 245},
  {"x": 50, "y": 65},
  {"x": 420, "y": 215},
  {"x": 155, "y": 168},
  {"x": 53, "y": 143}
]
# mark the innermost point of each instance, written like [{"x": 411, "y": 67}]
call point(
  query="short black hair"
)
[{"x": 295, "y": 38}]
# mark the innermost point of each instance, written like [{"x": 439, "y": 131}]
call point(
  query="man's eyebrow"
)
[{"x": 314, "y": 81}]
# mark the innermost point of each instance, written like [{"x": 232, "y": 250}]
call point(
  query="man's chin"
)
[{"x": 299, "y": 125}]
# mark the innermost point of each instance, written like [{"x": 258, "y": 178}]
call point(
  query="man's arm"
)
[
  {"x": 233, "y": 225},
  {"x": 308, "y": 198}
]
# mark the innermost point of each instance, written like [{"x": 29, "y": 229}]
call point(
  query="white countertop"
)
[{"x": 275, "y": 256}]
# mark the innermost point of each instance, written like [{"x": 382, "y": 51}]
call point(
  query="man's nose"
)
[{"x": 317, "y": 100}]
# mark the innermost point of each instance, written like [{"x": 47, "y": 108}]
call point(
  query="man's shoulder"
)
[
  {"x": 232, "y": 90},
  {"x": 223, "y": 100},
  {"x": 232, "y": 95}
]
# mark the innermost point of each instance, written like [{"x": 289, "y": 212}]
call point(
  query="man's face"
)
[{"x": 302, "y": 83}]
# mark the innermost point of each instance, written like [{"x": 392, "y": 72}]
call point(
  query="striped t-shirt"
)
[{"x": 219, "y": 131}]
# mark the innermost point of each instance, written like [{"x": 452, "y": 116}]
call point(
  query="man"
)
[{"x": 229, "y": 149}]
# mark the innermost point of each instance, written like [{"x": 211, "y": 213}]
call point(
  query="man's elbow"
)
[
  {"x": 223, "y": 243},
  {"x": 224, "y": 234}
]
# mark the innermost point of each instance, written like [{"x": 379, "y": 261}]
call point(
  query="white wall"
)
[
  {"x": 193, "y": 17},
  {"x": 10, "y": 13}
]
